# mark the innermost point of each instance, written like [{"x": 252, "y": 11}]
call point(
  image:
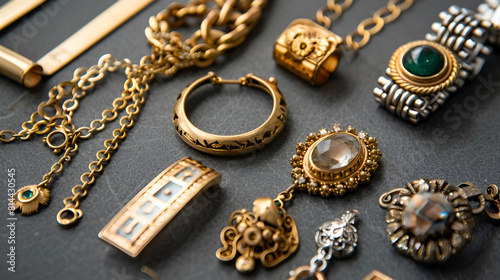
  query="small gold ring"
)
[
  {"x": 49, "y": 140},
  {"x": 231, "y": 144}
]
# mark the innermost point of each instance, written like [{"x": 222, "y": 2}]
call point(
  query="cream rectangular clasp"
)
[{"x": 157, "y": 204}]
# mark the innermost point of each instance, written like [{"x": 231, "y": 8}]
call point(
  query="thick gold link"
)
[
  {"x": 373, "y": 25},
  {"x": 240, "y": 16},
  {"x": 12, "y": 136},
  {"x": 334, "y": 9},
  {"x": 401, "y": 4},
  {"x": 225, "y": 12},
  {"x": 387, "y": 15},
  {"x": 365, "y": 28}
]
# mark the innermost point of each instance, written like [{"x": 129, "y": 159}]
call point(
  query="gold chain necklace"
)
[
  {"x": 170, "y": 53},
  {"x": 312, "y": 52}
]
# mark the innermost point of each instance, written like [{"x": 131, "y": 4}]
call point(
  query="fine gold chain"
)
[
  {"x": 366, "y": 28},
  {"x": 170, "y": 53}
]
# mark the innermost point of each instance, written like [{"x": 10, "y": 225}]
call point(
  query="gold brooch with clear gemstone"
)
[
  {"x": 330, "y": 162},
  {"x": 430, "y": 220}
]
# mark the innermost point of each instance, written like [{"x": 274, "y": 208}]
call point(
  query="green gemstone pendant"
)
[
  {"x": 27, "y": 194},
  {"x": 423, "y": 61},
  {"x": 28, "y": 199}
]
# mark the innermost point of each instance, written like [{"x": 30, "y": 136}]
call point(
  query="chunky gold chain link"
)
[
  {"x": 225, "y": 25},
  {"x": 331, "y": 12},
  {"x": 366, "y": 28}
]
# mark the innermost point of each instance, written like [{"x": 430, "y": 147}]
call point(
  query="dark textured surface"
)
[{"x": 454, "y": 144}]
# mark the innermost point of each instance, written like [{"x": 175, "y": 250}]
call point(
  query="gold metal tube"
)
[
  {"x": 19, "y": 68},
  {"x": 15, "y": 9}
]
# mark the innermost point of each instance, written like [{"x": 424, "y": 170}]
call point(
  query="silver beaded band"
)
[
  {"x": 490, "y": 12},
  {"x": 465, "y": 34}
]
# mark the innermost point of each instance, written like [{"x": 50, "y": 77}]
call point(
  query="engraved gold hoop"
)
[{"x": 226, "y": 145}]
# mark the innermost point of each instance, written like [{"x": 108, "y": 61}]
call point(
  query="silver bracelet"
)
[{"x": 423, "y": 74}]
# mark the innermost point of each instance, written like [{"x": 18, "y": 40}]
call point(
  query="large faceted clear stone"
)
[
  {"x": 427, "y": 214},
  {"x": 335, "y": 152}
]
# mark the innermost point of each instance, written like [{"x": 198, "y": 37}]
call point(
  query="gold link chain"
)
[
  {"x": 287, "y": 194},
  {"x": 334, "y": 10},
  {"x": 225, "y": 25},
  {"x": 365, "y": 28}
]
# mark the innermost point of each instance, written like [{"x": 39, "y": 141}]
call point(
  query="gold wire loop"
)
[
  {"x": 386, "y": 198},
  {"x": 493, "y": 197},
  {"x": 231, "y": 144}
]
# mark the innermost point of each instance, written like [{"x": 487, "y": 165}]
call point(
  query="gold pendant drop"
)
[
  {"x": 328, "y": 163},
  {"x": 333, "y": 162},
  {"x": 28, "y": 198},
  {"x": 267, "y": 233}
]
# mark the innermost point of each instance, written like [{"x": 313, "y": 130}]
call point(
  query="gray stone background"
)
[{"x": 458, "y": 143}]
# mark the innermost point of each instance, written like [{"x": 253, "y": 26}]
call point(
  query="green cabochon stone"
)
[{"x": 423, "y": 61}]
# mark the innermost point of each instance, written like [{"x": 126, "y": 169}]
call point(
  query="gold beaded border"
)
[
  {"x": 423, "y": 85},
  {"x": 349, "y": 177},
  {"x": 435, "y": 249}
]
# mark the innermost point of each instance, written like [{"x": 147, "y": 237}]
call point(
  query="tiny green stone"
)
[
  {"x": 27, "y": 194},
  {"x": 423, "y": 61}
]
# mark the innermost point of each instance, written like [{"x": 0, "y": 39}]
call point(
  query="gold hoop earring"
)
[{"x": 227, "y": 145}]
